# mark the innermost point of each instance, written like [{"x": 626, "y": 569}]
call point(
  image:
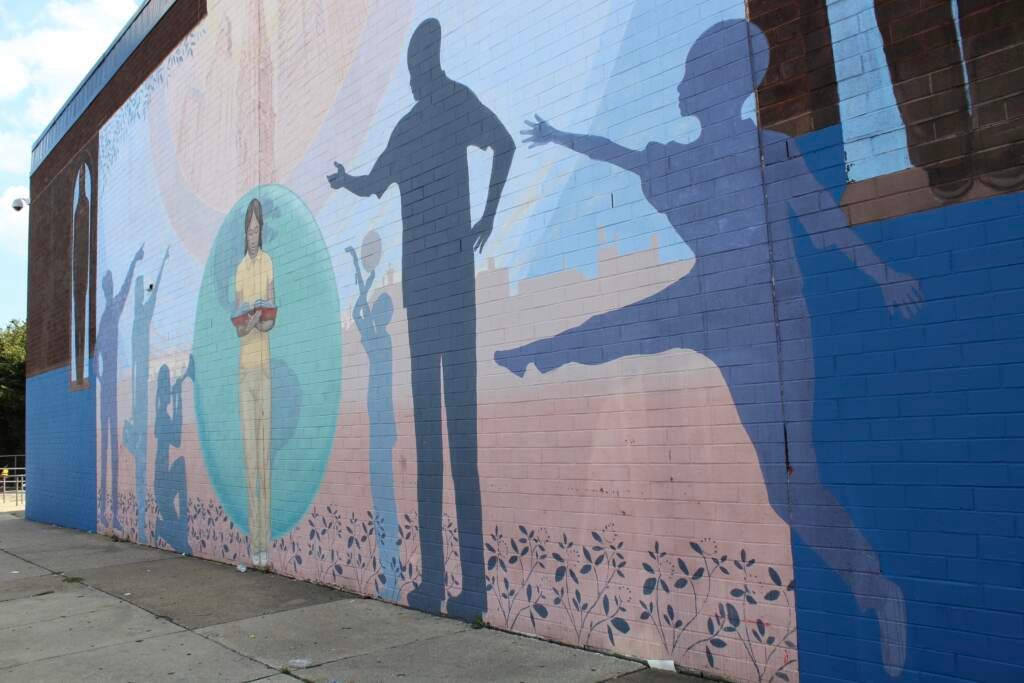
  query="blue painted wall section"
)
[
  {"x": 918, "y": 431},
  {"x": 60, "y": 435}
]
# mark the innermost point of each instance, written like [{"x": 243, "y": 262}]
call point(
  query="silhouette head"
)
[
  {"x": 370, "y": 250},
  {"x": 382, "y": 310},
  {"x": 108, "y": 285},
  {"x": 163, "y": 386},
  {"x": 723, "y": 67},
  {"x": 424, "y": 58},
  {"x": 139, "y": 292},
  {"x": 253, "y": 227}
]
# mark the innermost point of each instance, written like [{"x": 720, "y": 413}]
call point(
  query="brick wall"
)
[{"x": 699, "y": 395}]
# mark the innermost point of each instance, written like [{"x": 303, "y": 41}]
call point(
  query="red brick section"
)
[
  {"x": 49, "y": 269},
  {"x": 50, "y": 221},
  {"x": 799, "y": 91}
]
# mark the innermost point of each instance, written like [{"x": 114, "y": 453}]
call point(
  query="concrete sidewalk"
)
[{"x": 77, "y": 606}]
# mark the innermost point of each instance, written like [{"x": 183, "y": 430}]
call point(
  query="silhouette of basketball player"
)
[
  {"x": 735, "y": 216},
  {"x": 426, "y": 158},
  {"x": 106, "y": 344},
  {"x": 136, "y": 428}
]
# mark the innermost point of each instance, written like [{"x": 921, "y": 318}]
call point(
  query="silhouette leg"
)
[
  {"x": 668, "y": 319},
  {"x": 115, "y": 457},
  {"x": 384, "y": 509},
  {"x": 461, "y": 410},
  {"x": 809, "y": 507},
  {"x": 424, "y": 341},
  {"x": 173, "y": 523},
  {"x": 140, "y": 485}
]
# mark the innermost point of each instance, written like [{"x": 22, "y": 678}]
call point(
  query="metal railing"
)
[{"x": 12, "y": 485}]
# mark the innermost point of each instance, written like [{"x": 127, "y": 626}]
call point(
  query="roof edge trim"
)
[{"x": 130, "y": 37}]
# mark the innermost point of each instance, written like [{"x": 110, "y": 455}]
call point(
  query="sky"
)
[{"x": 46, "y": 49}]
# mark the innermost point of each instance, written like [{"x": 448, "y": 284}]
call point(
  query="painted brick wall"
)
[{"x": 595, "y": 320}]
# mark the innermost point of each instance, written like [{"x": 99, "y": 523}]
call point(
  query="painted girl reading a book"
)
[{"x": 255, "y": 313}]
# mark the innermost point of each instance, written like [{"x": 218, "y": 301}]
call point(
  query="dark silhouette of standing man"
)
[{"x": 426, "y": 158}]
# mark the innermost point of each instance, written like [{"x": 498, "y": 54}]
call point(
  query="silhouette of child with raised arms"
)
[{"x": 735, "y": 214}]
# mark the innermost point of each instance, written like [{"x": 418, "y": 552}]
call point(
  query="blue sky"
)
[{"x": 46, "y": 49}]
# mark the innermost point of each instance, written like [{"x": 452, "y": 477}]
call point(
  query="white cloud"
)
[
  {"x": 15, "y": 153},
  {"x": 13, "y": 224},
  {"x": 45, "y": 63}
]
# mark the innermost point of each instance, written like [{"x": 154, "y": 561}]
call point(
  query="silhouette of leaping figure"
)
[{"x": 735, "y": 216}]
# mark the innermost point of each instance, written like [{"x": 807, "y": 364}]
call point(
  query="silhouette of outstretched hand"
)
[
  {"x": 337, "y": 179},
  {"x": 538, "y": 132},
  {"x": 167, "y": 254},
  {"x": 481, "y": 233},
  {"x": 903, "y": 295},
  {"x": 140, "y": 253}
]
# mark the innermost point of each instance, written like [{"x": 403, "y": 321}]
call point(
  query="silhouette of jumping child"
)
[
  {"x": 372, "y": 321},
  {"x": 169, "y": 482},
  {"x": 735, "y": 216}
]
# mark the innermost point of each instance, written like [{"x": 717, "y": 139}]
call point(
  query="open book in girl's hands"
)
[{"x": 267, "y": 311}]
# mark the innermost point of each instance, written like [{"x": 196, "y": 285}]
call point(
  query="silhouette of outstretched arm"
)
[
  {"x": 122, "y": 294},
  {"x": 827, "y": 227},
  {"x": 359, "y": 272},
  {"x": 540, "y": 132},
  {"x": 361, "y": 309},
  {"x": 376, "y": 182},
  {"x": 498, "y": 139},
  {"x": 151, "y": 303}
]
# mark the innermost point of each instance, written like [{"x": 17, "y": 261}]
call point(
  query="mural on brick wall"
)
[{"x": 698, "y": 380}]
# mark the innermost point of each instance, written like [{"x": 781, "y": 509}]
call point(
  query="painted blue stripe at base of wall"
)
[{"x": 60, "y": 449}]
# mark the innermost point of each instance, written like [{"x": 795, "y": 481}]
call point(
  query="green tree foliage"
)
[{"x": 12, "y": 388}]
